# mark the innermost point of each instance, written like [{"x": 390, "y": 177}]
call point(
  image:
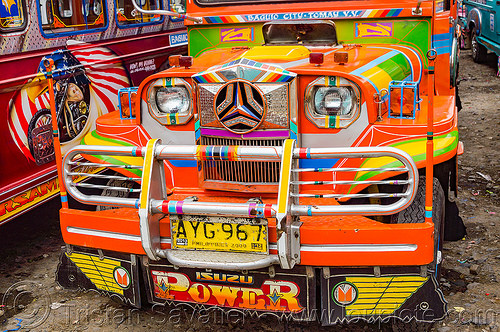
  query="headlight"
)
[
  {"x": 334, "y": 101},
  {"x": 169, "y": 101},
  {"x": 172, "y": 100}
]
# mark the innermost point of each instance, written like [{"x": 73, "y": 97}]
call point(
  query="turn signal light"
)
[
  {"x": 180, "y": 61},
  {"x": 316, "y": 58},
  {"x": 341, "y": 57}
]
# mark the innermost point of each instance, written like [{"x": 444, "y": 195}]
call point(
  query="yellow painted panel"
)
[
  {"x": 379, "y": 77},
  {"x": 371, "y": 284},
  {"x": 391, "y": 289},
  {"x": 397, "y": 295},
  {"x": 369, "y": 279},
  {"x": 106, "y": 263},
  {"x": 288, "y": 53},
  {"x": 100, "y": 272},
  {"x": 410, "y": 278}
]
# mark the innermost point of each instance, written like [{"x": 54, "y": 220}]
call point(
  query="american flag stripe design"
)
[{"x": 106, "y": 74}]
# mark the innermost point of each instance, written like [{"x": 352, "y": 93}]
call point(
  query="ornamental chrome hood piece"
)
[{"x": 240, "y": 106}]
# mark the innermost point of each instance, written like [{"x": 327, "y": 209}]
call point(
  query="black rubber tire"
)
[
  {"x": 415, "y": 213},
  {"x": 479, "y": 52},
  {"x": 45, "y": 112}
]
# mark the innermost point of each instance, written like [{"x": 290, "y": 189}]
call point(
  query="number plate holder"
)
[{"x": 229, "y": 234}]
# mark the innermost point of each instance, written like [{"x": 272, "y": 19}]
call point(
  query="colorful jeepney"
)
[
  {"x": 280, "y": 168},
  {"x": 480, "y": 20},
  {"x": 98, "y": 47}
]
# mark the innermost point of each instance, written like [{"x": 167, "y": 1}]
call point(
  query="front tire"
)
[
  {"x": 479, "y": 52},
  {"x": 415, "y": 213}
]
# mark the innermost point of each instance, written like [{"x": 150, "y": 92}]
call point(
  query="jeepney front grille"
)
[{"x": 241, "y": 171}]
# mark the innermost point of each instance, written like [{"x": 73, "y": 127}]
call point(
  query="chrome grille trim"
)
[
  {"x": 245, "y": 172},
  {"x": 277, "y": 96}
]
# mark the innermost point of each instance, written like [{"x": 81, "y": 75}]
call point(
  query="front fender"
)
[{"x": 474, "y": 19}]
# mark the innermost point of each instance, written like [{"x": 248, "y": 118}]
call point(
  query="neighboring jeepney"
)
[
  {"x": 300, "y": 162},
  {"x": 98, "y": 47},
  {"x": 481, "y": 25}
]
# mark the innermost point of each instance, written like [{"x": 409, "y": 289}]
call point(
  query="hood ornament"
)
[{"x": 240, "y": 106}]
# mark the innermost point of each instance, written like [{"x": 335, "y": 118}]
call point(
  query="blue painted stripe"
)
[
  {"x": 374, "y": 63},
  {"x": 370, "y": 65},
  {"x": 398, "y": 11},
  {"x": 171, "y": 207},
  {"x": 64, "y": 198},
  {"x": 442, "y": 36},
  {"x": 200, "y": 79},
  {"x": 317, "y": 163},
  {"x": 183, "y": 163},
  {"x": 428, "y": 214},
  {"x": 442, "y": 43}
]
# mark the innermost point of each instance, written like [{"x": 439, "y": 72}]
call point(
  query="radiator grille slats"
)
[{"x": 241, "y": 171}]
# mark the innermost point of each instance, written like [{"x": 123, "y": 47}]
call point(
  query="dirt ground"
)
[{"x": 30, "y": 247}]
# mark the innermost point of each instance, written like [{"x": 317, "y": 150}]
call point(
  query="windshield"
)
[{"x": 300, "y": 32}]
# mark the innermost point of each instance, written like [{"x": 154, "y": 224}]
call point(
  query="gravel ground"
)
[{"x": 30, "y": 246}]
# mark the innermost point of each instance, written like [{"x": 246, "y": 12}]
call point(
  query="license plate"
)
[{"x": 219, "y": 234}]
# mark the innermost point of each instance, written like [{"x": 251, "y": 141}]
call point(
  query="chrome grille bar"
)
[
  {"x": 265, "y": 155},
  {"x": 392, "y": 182},
  {"x": 237, "y": 171},
  {"x": 76, "y": 171},
  {"x": 78, "y": 163},
  {"x": 97, "y": 186},
  {"x": 102, "y": 176},
  {"x": 352, "y": 169}
]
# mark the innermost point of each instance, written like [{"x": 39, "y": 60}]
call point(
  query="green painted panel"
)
[
  {"x": 397, "y": 67},
  {"x": 205, "y": 38},
  {"x": 413, "y": 33}
]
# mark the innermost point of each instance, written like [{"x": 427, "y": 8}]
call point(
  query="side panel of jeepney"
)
[
  {"x": 115, "y": 50},
  {"x": 489, "y": 11}
]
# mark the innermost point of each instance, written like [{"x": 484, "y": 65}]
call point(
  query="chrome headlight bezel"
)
[
  {"x": 163, "y": 116},
  {"x": 335, "y": 84}
]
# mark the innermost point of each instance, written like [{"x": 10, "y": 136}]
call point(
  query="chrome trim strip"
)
[
  {"x": 218, "y": 260},
  {"x": 272, "y": 246},
  {"x": 106, "y": 234},
  {"x": 359, "y": 248}
]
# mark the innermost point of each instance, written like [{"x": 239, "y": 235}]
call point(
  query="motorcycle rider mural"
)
[{"x": 82, "y": 86}]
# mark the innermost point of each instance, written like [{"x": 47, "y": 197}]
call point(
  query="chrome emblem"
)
[{"x": 240, "y": 106}]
